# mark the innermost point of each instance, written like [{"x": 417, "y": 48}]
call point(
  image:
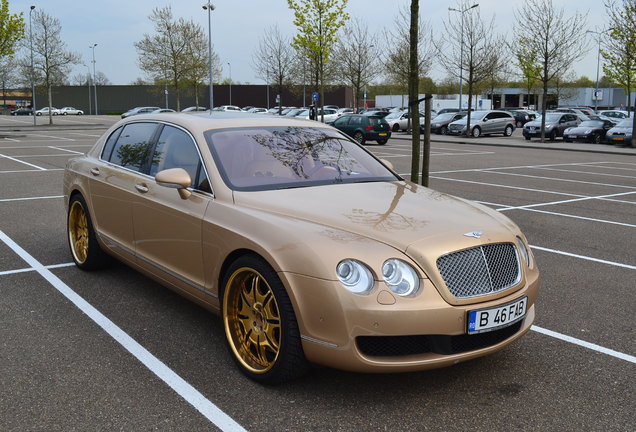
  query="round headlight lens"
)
[
  {"x": 354, "y": 276},
  {"x": 524, "y": 251},
  {"x": 400, "y": 277}
]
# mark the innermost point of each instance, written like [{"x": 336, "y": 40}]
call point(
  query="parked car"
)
[
  {"x": 580, "y": 110},
  {"x": 194, "y": 109},
  {"x": 343, "y": 111},
  {"x": 330, "y": 115},
  {"x": 294, "y": 112},
  {"x": 376, "y": 112},
  {"x": 162, "y": 111},
  {"x": 227, "y": 108},
  {"x": 555, "y": 124},
  {"x": 71, "y": 111},
  {"x": 333, "y": 107},
  {"x": 593, "y": 131},
  {"x": 618, "y": 114},
  {"x": 485, "y": 122},
  {"x": 399, "y": 120},
  {"x": 231, "y": 212},
  {"x": 621, "y": 134},
  {"x": 45, "y": 111},
  {"x": 447, "y": 110},
  {"x": 139, "y": 110},
  {"x": 521, "y": 116},
  {"x": 439, "y": 124},
  {"x": 22, "y": 111},
  {"x": 256, "y": 110},
  {"x": 364, "y": 128}
]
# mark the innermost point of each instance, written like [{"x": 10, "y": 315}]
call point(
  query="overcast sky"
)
[{"x": 238, "y": 25}]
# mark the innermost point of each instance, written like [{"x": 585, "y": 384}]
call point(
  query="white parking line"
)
[
  {"x": 167, "y": 375},
  {"x": 30, "y": 171},
  {"x": 583, "y": 257},
  {"x": 66, "y": 150},
  {"x": 561, "y": 179},
  {"x": 26, "y": 163},
  {"x": 582, "y": 343},
  {"x": 30, "y": 269},
  {"x": 599, "y": 197},
  {"x": 503, "y": 186},
  {"x": 587, "y": 172},
  {"x": 53, "y": 137},
  {"x": 30, "y": 198}
]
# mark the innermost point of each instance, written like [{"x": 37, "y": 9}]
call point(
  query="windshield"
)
[
  {"x": 627, "y": 123},
  {"x": 444, "y": 117},
  {"x": 267, "y": 158},
  {"x": 394, "y": 115},
  {"x": 549, "y": 118},
  {"x": 592, "y": 123}
]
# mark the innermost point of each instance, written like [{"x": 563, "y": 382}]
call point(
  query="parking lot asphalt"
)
[{"x": 113, "y": 350}]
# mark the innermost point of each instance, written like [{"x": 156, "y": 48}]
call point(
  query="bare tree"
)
[
  {"x": 171, "y": 54},
  {"x": 397, "y": 65},
  {"x": 469, "y": 57},
  {"x": 555, "y": 39},
  {"x": 275, "y": 60},
  {"x": 355, "y": 58},
  {"x": 51, "y": 61}
]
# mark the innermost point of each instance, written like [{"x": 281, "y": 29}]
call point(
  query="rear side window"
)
[{"x": 133, "y": 146}]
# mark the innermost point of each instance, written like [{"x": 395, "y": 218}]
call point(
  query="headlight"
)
[
  {"x": 589, "y": 131},
  {"x": 548, "y": 126},
  {"x": 354, "y": 276},
  {"x": 524, "y": 251},
  {"x": 400, "y": 277}
]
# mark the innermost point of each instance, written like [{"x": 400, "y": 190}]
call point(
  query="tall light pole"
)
[
  {"x": 32, "y": 70},
  {"x": 88, "y": 82},
  {"x": 598, "y": 62},
  {"x": 228, "y": 63},
  {"x": 94, "y": 78},
  {"x": 461, "y": 50},
  {"x": 210, "y": 7}
]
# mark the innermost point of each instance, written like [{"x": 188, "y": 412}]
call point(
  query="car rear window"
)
[{"x": 267, "y": 158}]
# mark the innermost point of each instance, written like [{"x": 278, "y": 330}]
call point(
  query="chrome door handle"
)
[
  {"x": 141, "y": 188},
  {"x": 95, "y": 171}
]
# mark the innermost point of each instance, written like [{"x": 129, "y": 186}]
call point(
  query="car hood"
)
[
  {"x": 399, "y": 214},
  {"x": 620, "y": 130},
  {"x": 581, "y": 129}
]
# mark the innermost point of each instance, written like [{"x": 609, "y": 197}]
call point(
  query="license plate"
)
[
  {"x": 617, "y": 138},
  {"x": 382, "y": 134},
  {"x": 485, "y": 320}
]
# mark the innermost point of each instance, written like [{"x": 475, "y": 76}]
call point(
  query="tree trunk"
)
[{"x": 413, "y": 92}]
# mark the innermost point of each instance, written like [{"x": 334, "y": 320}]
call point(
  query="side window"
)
[
  {"x": 342, "y": 121},
  {"x": 133, "y": 147},
  {"x": 110, "y": 143},
  {"x": 175, "y": 149},
  {"x": 356, "y": 121}
]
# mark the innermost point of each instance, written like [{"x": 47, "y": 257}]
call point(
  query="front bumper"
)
[{"x": 342, "y": 330}]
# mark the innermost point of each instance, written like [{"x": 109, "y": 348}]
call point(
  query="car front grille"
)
[
  {"x": 480, "y": 270},
  {"x": 455, "y": 127},
  {"x": 400, "y": 346}
]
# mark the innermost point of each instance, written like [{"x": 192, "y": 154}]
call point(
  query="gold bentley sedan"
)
[{"x": 311, "y": 249}]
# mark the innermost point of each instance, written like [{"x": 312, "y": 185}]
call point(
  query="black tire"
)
[
  {"x": 85, "y": 250},
  {"x": 476, "y": 132},
  {"x": 527, "y": 138},
  {"x": 596, "y": 139},
  {"x": 382, "y": 141},
  {"x": 553, "y": 135},
  {"x": 396, "y": 128},
  {"x": 359, "y": 137},
  {"x": 443, "y": 130},
  {"x": 259, "y": 321},
  {"x": 508, "y": 131}
]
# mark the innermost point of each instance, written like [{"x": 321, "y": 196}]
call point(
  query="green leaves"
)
[{"x": 11, "y": 29}]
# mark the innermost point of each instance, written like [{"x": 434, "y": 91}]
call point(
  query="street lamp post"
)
[
  {"x": 32, "y": 70},
  {"x": 94, "y": 78},
  {"x": 88, "y": 82},
  {"x": 598, "y": 62},
  {"x": 230, "y": 66},
  {"x": 461, "y": 50},
  {"x": 210, "y": 7}
]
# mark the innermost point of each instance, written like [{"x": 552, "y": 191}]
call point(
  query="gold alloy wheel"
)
[
  {"x": 78, "y": 232},
  {"x": 252, "y": 320}
]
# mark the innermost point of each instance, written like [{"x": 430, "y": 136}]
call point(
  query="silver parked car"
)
[
  {"x": 555, "y": 124},
  {"x": 484, "y": 123}
]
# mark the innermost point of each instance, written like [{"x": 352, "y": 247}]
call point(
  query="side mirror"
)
[
  {"x": 387, "y": 164},
  {"x": 176, "y": 178}
]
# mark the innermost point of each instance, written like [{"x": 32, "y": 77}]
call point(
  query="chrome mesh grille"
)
[{"x": 481, "y": 270}]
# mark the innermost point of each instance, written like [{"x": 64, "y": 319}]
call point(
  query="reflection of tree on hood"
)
[{"x": 291, "y": 147}]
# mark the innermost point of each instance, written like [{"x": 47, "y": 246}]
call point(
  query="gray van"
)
[{"x": 484, "y": 123}]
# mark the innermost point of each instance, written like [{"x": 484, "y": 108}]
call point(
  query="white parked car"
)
[
  {"x": 70, "y": 111},
  {"x": 227, "y": 108},
  {"x": 45, "y": 111},
  {"x": 399, "y": 120},
  {"x": 330, "y": 115}
]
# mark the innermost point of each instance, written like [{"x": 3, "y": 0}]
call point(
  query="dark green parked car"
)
[{"x": 364, "y": 128}]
